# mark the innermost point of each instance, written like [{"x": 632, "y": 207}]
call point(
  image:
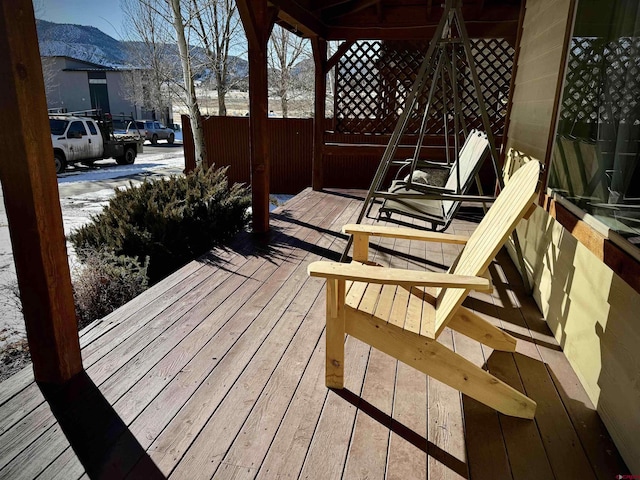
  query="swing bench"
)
[{"x": 439, "y": 205}]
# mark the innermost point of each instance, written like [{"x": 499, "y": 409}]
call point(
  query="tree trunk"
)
[
  {"x": 200, "y": 150},
  {"x": 222, "y": 106}
]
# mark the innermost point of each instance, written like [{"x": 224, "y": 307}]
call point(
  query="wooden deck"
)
[{"x": 218, "y": 372}]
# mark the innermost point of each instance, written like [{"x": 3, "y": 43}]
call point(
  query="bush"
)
[
  {"x": 105, "y": 282},
  {"x": 171, "y": 221}
]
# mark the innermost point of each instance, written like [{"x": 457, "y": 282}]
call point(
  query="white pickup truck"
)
[{"x": 87, "y": 139}]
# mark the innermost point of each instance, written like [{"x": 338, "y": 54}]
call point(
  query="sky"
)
[{"x": 105, "y": 15}]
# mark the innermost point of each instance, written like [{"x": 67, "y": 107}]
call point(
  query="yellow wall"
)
[
  {"x": 593, "y": 313},
  {"x": 595, "y": 316}
]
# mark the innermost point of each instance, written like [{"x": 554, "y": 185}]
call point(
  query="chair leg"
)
[
  {"x": 476, "y": 327},
  {"x": 334, "y": 377},
  {"x": 437, "y": 361}
]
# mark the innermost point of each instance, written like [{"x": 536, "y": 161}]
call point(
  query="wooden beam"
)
[
  {"x": 551, "y": 137},
  {"x": 334, "y": 370},
  {"x": 437, "y": 361},
  {"x": 257, "y": 19},
  {"x": 373, "y": 149},
  {"x": 32, "y": 201},
  {"x": 353, "y": 7},
  {"x": 325, "y": 4},
  {"x": 299, "y": 18},
  {"x": 319, "y": 47},
  {"x": 476, "y": 327},
  {"x": 507, "y": 29},
  {"x": 340, "y": 51},
  {"x": 512, "y": 86},
  {"x": 622, "y": 263}
]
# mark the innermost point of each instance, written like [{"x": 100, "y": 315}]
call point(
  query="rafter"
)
[
  {"x": 475, "y": 29},
  {"x": 388, "y": 19},
  {"x": 351, "y": 8},
  {"x": 338, "y": 54},
  {"x": 299, "y": 18}
]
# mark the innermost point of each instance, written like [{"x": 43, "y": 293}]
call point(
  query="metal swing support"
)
[{"x": 436, "y": 57}]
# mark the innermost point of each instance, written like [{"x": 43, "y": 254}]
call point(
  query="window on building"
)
[{"x": 596, "y": 163}]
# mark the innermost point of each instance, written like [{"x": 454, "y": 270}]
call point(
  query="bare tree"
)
[
  {"x": 159, "y": 24},
  {"x": 286, "y": 50},
  {"x": 189, "y": 85},
  {"x": 50, "y": 76},
  {"x": 49, "y": 70},
  {"x": 217, "y": 26},
  {"x": 151, "y": 83}
]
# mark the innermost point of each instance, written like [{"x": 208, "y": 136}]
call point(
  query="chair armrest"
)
[
  {"x": 404, "y": 233},
  {"x": 401, "y": 185},
  {"x": 395, "y": 276}
]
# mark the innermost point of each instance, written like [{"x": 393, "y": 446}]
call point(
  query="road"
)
[{"x": 83, "y": 192}]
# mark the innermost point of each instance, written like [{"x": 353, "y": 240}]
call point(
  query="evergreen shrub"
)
[
  {"x": 170, "y": 221},
  {"x": 105, "y": 282}
]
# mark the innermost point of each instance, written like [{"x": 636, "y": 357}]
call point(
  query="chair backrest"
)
[
  {"x": 493, "y": 231},
  {"x": 472, "y": 153}
]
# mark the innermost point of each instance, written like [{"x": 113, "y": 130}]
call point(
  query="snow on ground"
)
[
  {"x": 108, "y": 169},
  {"x": 83, "y": 193}
]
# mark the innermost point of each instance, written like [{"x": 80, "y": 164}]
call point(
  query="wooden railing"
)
[
  {"x": 350, "y": 160},
  {"x": 227, "y": 142}
]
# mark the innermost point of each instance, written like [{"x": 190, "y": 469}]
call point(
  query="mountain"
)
[
  {"x": 93, "y": 45},
  {"x": 81, "y": 42}
]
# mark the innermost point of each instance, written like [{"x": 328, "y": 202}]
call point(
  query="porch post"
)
[
  {"x": 258, "y": 21},
  {"x": 319, "y": 47},
  {"x": 32, "y": 201}
]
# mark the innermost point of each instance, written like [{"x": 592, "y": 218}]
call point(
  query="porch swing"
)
[
  {"x": 414, "y": 195},
  {"x": 408, "y": 196}
]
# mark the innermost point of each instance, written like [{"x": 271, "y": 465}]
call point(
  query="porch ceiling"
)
[{"x": 393, "y": 19}]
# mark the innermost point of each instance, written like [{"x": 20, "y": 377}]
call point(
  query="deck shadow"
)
[
  {"x": 92, "y": 428},
  {"x": 404, "y": 432}
]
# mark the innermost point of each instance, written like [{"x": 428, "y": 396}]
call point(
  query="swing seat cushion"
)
[
  {"x": 436, "y": 177},
  {"x": 433, "y": 208}
]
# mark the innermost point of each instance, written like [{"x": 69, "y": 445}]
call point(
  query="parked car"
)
[{"x": 155, "y": 131}]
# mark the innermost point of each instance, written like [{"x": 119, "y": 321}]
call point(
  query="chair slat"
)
[{"x": 490, "y": 235}]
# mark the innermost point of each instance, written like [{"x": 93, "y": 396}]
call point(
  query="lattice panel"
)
[
  {"x": 374, "y": 78},
  {"x": 602, "y": 82}
]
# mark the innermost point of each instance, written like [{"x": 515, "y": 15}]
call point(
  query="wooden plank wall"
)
[
  {"x": 539, "y": 60},
  {"x": 227, "y": 140},
  {"x": 350, "y": 161},
  {"x": 591, "y": 310}
]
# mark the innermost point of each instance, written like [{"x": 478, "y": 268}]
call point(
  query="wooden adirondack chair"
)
[{"x": 388, "y": 309}]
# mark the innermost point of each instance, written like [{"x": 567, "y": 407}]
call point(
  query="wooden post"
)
[
  {"x": 334, "y": 368},
  {"x": 258, "y": 21},
  {"x": 319, "y": 47},
  {"x": 32, "y": 201}
]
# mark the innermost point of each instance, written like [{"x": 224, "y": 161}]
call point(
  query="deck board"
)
[{"x": 218, "y": 372}]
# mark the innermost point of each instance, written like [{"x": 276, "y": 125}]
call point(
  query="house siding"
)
[{"x": 591, "y": 310}]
